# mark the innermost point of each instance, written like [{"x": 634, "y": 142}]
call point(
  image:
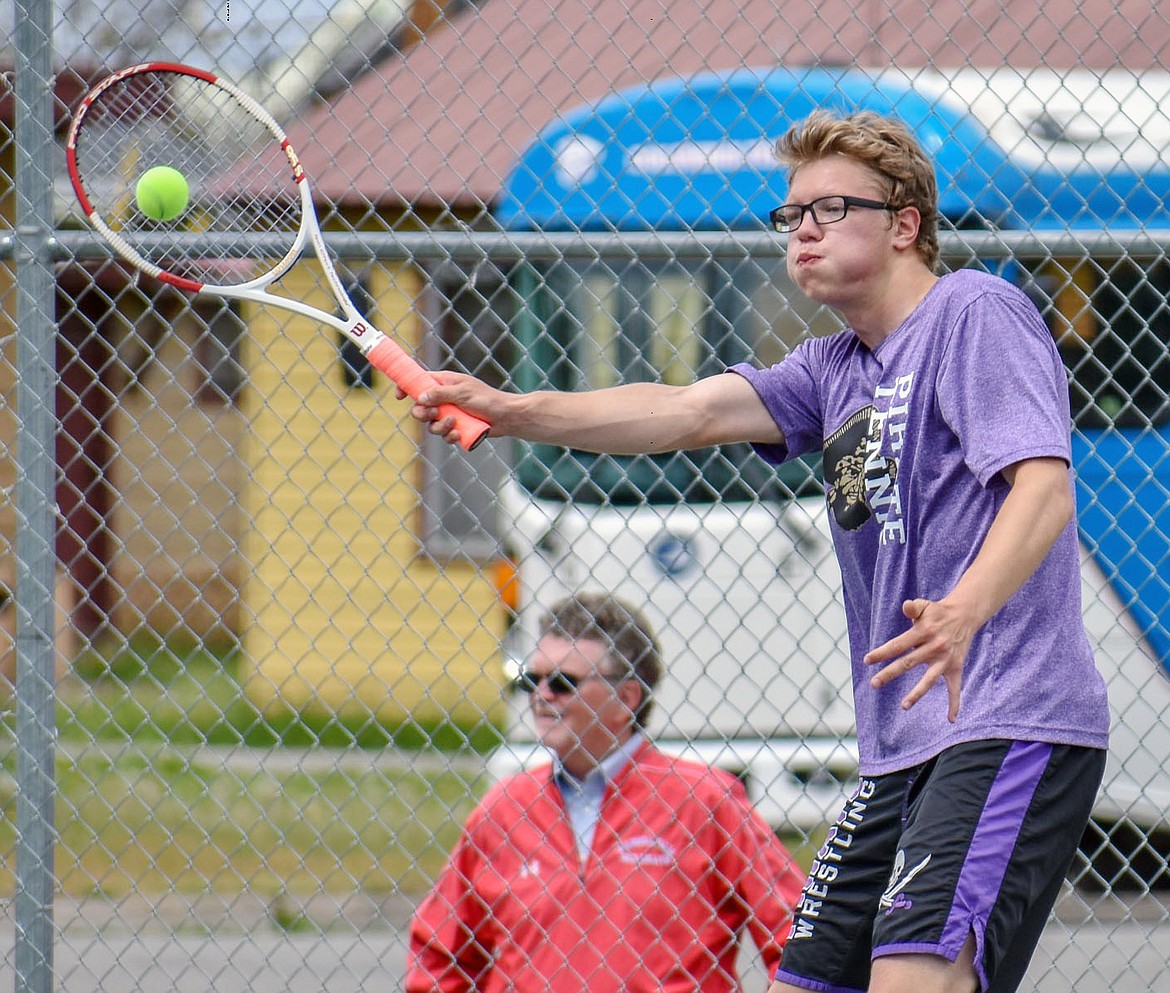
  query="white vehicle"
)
[
  {"x": 730, "y": 558},
  {"x": 757, "y": 673}
]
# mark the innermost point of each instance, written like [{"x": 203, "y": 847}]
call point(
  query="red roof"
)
[{"x": 443, "y": 124}]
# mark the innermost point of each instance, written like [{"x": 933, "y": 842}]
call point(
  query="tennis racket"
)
[{"x": 244, "y": 178}]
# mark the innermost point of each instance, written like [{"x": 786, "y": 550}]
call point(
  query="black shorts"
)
[{"x": 976, "y": 841}]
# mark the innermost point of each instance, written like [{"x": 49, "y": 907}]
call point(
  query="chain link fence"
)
[{"x": 258, "y": 630}]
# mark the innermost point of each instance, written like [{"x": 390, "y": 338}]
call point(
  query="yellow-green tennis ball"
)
[{"x": 162, "y": 193}]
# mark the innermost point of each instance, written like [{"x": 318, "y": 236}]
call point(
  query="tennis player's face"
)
[
  {"x": 583, "y": 725},
  {"x": 839, "y": 264}
]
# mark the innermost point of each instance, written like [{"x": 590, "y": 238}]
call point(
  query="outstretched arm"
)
[
  {"x": 639, "y": 418},
  {"x": 1033, "y": 515}
]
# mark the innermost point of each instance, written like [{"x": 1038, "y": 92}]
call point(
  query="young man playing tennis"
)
[{"x": 942, "y": 414}]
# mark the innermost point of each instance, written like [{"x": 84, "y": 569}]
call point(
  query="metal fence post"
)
[{"x": 35, "y": 600}]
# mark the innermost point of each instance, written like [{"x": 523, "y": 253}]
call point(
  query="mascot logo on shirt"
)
[{"x": 846, "y": 471}]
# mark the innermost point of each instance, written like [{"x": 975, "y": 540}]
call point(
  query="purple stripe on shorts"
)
[
  {"x": 811, "y": 984},
  {"x": 992, "y": 845}
]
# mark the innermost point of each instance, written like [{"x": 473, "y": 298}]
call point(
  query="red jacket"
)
[{"x": 680, "y": 865}]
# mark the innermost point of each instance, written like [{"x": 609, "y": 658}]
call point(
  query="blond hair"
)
[{"x": 883, "y": 144}]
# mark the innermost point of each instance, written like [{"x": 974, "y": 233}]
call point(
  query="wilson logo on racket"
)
[{"x": 295, "y": 161}]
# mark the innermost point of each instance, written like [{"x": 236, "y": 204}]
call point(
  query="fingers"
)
[
  {"x": 952, "y": 679},
  {"x": 427, "y": 409},
  {"x": 920, "y": 689},
  {"x": 440, "y": 425},
  {"x": 897, "y": 668},
  {"x": 903, "y": 643},
  {"x": 924, "y": 644},
  {"x": 915, "y": 609},
  {"x": 933, "y": 675},
  {"x": 941, "y": 670},
  {"x": 953, "y": 687}
]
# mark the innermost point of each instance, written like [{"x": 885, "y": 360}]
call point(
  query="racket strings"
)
[{"x": 241, "y": 182}]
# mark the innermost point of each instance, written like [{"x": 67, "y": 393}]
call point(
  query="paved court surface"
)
[{"x": 1121, "y": 947}]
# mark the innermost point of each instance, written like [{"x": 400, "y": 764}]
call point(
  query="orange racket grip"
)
[{"x": 413, "y": 379}]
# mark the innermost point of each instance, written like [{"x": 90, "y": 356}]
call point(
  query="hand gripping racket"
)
[{"x": 243, "y": 178}]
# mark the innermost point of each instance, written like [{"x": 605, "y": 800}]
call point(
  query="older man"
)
[{"x": 617, "y": 867}]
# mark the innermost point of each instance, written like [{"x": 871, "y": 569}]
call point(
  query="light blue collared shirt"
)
[{"x": 583, "y": 796}]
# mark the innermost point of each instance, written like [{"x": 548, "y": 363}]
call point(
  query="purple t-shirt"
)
[{"x": 914, "y": 435}]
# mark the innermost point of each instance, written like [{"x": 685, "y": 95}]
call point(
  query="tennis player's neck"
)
[{"x": 878, "y": 323}]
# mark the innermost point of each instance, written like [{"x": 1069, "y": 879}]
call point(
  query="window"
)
[
  {"x": 591, "y": 325},
  {"x": 1112, "y": 325},
  {"x": 466, "y": 313},
  {"x": 217, "y": 351},
  {"x": 587, "y": 326}
]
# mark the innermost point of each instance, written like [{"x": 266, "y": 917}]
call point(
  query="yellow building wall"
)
[
  {"x": 341, "y": 608},
  {"x": 175, "y": 562}
]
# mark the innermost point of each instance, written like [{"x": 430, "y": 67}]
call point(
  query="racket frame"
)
[{"x": 374, "y": 345}]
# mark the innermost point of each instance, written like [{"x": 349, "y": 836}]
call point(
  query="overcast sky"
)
[
  {"x": 230, "y": 35},
  {"x": 236, "y": 38}
]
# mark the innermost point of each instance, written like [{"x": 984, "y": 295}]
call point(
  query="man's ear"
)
[
  {"x": 632, "y": 693},
  {"x": 907, "y": 222}
]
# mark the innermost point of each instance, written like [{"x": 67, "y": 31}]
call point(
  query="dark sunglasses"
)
[{"x": 559, "y": 683}]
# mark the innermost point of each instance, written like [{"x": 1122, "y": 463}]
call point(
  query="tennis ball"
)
[{"x": 162, "y": 193}]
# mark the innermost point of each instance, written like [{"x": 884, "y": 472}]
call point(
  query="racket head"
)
[{"x": 243, "y": 175}]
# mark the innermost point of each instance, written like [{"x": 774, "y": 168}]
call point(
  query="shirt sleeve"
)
[
  {"x": 1002, "y": 386},
  {"x": 790, "y": 392},
  {"x": 447, "y": 951},
  {"x": 761, "y": 873}
]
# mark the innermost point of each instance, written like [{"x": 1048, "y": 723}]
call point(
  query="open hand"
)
[{"x": 939, "y": 637}]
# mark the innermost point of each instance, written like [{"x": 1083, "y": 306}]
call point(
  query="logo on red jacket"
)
[{"x": 646, "y": 850}]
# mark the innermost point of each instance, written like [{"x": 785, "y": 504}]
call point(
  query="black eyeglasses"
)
[
  {"x": 559, "y": 683},
  {"x": 825, "y": 210}
]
